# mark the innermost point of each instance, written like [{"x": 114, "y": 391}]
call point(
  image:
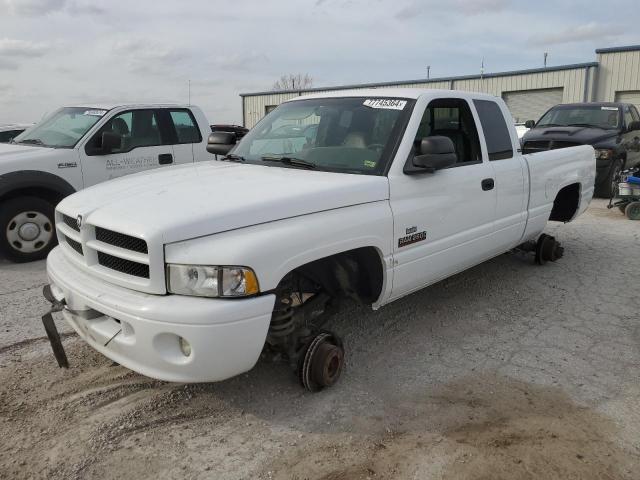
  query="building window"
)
[{"x": 269, "y": 108}]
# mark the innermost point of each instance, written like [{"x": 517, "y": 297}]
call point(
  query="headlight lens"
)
[
  {"x": 604, "y": 154},
  {"x": 211, "y": 281}
]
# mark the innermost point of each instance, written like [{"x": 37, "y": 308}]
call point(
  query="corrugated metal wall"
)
[{"x": 618, "y": 72}]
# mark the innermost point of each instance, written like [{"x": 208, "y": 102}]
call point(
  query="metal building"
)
[{"x": 615, "y": 76}]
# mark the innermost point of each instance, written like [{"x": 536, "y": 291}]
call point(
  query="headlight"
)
[
  {"x": 604, "y": 154},
  {"x": 209, "y": 281}
]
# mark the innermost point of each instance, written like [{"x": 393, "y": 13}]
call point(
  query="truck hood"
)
[
  {"x": 578, "y": 135},
  {"x": 183, "y": 202}
]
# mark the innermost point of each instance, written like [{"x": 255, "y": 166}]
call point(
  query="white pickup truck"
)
[
  {"x": 76, "y": 147},
  {"x": 370, "y": 194}
]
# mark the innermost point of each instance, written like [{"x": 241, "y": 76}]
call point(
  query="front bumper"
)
[{"x": 226, "y": 335}]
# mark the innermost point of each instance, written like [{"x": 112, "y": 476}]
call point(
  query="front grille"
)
[
  {"x": 70, "y": 222},
  {"x": 75, "y": 245},
  {"x": 543, "y": 145},
  {"x": 124, "y": 266},
  {"x": 121, "y": 240}
]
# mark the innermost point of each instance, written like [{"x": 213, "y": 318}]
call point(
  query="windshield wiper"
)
[
  {"x": 291, "y": 161},
  {"x": 582, "y": 125},
  {"x": 233, "y": 158},
  {"x": 32, "y": 141}
]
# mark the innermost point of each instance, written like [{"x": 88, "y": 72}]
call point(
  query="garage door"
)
[
  {"x": 531, "y": 104},
  {"x": 629, "y": 97}
]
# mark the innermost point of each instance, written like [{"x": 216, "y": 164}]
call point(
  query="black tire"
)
[
  {"x": 608, "y": 187},
  {"x": 35, "y": 219},
  {"x": 633, "y": 211}
]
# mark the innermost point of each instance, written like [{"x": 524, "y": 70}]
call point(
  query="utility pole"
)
[
  {"x": 482, "y": 69},
  {"x": 428, "y": 71},
  {"x": 545, "y": 59}
]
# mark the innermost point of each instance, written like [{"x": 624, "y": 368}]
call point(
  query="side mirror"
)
[
  {"x": 633, "y": 126},
  {"x": 219, "y": 143},
  {"x": 435, "y": 153},
  {"x": 530, "y": 123},
  {"x": 110, "y": 141}
]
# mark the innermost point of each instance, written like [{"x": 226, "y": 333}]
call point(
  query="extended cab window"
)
[
  {"x": 137, "y": 128},
  {"x": 496, "y": 133},
  {"x": 452, "y": 118},
  {"x": 185, "y": 125}
]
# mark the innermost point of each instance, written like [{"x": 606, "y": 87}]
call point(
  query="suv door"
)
[
  {"x": 443, "y": 221},
  {"x": 145, "y": 143}
]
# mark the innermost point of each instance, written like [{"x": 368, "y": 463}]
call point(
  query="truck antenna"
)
[{"x": 189, "y": 103}]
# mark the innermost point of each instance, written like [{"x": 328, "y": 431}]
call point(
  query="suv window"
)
[
  {"x": 634, "y": 114},
  {"x": 452, "y": 118},
  {"x": 495, "y": 130},
  {"x": 138, "y": 128},
  {"x": 185, "y": 126}
]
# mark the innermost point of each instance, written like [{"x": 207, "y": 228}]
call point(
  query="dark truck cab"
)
[{"x": 613, "y": 129}]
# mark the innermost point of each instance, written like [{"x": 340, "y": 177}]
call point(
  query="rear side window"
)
[
  {"x": 187, "y": 130},
  {"x": 495, "y": 129}
]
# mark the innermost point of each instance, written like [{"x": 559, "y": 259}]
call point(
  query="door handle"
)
[
  {"x": 487, "y": 184},
  {"x": 165, "y": 158}
]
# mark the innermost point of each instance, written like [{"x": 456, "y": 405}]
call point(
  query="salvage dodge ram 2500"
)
[
  {"x": 76, "y": 147},
  {"x": 194, "y": 273}
]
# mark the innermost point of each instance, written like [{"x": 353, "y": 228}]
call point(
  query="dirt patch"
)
[{"x": 480, "y": 428}]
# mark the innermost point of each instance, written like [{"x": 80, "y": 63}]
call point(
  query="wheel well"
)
[
  {"x": 355, "y": 273},
  {"x": 566, "y": 203},
  {"x": 48, "y": 194}
]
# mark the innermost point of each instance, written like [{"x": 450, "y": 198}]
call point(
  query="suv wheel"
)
[{"x": 27, "y": 229}]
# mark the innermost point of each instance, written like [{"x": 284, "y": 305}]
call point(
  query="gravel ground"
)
[{"x": 505, "y": 371}]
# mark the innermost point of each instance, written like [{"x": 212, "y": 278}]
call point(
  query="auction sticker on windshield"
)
[
  {"x": 388, "y": 103},
  {"x": 95, "y": 113}
]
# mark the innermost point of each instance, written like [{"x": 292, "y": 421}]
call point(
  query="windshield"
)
[
  {"x": 351, "y": 134},
  {"x": 582, "y": 116},
  {"x": 63, "y": 128}
]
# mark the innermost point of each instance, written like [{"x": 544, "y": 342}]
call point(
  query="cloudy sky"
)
[{"x": 61, "y": 52}]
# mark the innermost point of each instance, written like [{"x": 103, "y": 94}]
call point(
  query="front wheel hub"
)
[
  {"x": 321, "y": 364},
  {"x": 29, "y": 232}
]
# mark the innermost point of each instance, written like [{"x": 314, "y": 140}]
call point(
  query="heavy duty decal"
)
[
  {"x": 68, "y": 165},
  {"x": 412, "y": 236}
]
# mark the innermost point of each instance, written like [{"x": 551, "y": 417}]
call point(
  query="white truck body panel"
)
[{"x": 275, "y": 220}]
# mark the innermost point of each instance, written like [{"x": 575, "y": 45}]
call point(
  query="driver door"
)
[
  {"x": 443, "y": 221},
  {"x": 144, "y": 145}
]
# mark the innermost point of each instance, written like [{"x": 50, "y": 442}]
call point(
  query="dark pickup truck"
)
[{"x": 613, "y": 129}]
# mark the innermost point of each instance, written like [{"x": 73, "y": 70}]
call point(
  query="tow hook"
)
[
  {"x": 548, "y": 249},
  {"x": 50, "y": 327}
]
